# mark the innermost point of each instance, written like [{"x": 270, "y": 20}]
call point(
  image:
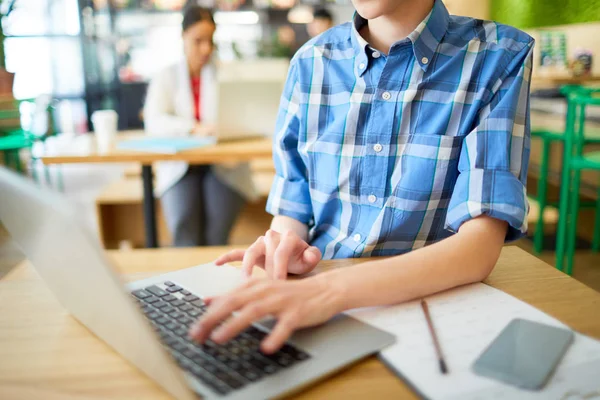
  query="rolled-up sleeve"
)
[
  {"x": 289, "y": 194},
  {"x": 495, "y": 155}
]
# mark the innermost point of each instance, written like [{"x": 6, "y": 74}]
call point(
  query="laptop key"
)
[
  {"x": 179, "y": 346},
  {"x": 162, "y": 320},
  {"x": 169, "y": 283},
  {"x": 182, "y": 318},
  {"x": 171, "y": 341},
  {"x": 197, "y": 303},
  {"x": 169, "y": 310},
  {"x": 293, "y": 352},
  {"x": 186, "y": 321},
  {"x": 141, "y": 294},
  {"x": 262, "y": 365},
  {"x": 153, "y": 315},
  {"x": 185, "y": 292},
  {"x": 151, "y": 299},
  {"x": 223, "y": 358},
  {"x": 189, "y": 353},
  {"x": 172, "y": 326},
  {"x": 233, "y": 364},
  {"x": 173, "y": 289},
  {"x": 181, "y": 332},
  {"x": 190, "y": 297},
  {"x": 280, "y": 358},
  {"x": 176, "y": 315},
  {"x": 249, "y": 372},
  {"x": 155, "y": 290},
  {"x": 194, "y": 312},
  {"x": 211, "y": 351},
  {"x": 177, "y": 303},
  {"x": 185, "y": 307},
  {"x": 256, "y": 333},
  {"x": 147, "y": 308},
  {"x": 169, "y": 298},
  {"x": 229, "y": 379},
  {"x": 161, "y": 304}
]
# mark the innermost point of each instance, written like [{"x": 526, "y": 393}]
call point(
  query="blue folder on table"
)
[{"x": 166, "y": 145}]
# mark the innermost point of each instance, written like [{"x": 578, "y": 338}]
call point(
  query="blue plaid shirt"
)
[{"x": 382, "y": 154}]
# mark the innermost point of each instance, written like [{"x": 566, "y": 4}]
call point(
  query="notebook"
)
[
  {"x": 467, "y": 319},
  {"x": 166, "y": 145}
]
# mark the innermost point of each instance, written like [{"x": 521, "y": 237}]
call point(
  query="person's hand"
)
[
  {"x": 295, "y": 304},
  {"x": 204, "y": 130},
  {"x": 277, "y": 254}
]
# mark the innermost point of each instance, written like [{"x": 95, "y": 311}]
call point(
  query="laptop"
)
[
  {"x": 249, "y": 97},
  {"x": 147, "y": 321}
]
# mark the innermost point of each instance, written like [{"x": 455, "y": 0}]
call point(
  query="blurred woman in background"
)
[{"x": 200, "y": 203}]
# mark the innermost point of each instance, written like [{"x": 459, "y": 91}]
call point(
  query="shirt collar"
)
[{"x": 425, "y": 38}]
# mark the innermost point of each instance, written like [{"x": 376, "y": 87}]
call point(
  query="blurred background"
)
[
  {"x": 93, "y": 54},
  {"x": 62, "y": 60}
]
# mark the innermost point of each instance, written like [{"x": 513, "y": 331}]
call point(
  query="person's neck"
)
[
  {"x": 194, "y": 71},
  {"x": 382, "y": 32}
]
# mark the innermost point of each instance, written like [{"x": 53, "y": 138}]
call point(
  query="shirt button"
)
[
  {"x": 356, "y": 237},
  {"x": 424, "y": 60},
  {"x": 376, "y": 54},
  {"x": 377, "y": 148},
  {"x": 361, "y": 66},
  {"x": 372, "y": 198},
  {"x": 386, "y": 95}
]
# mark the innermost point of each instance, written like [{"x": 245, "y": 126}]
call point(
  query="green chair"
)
[
  {"x": 12, "y": 138},
  {"x": 578, "y": 160},
  {"x": 10, "y": 146},
  {"x": 549, "y": 137},
  {"x": 13, "y": 141}
]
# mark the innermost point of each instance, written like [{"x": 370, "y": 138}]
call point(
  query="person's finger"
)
[
  {"x": 232, "y": 256},
  {"x": 252, "y": 255},
  {"x": 279, "y": 334},
  {"x": 222, "y": 308},
  {"x": 250, "y": 313},
  {"x": 312, "y": 256},
  {"x": 289, "y": 244},
  {"x": 271, "y": 244}
]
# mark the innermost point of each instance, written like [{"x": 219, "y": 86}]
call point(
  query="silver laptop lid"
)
[{"x": 71, "y": 262}]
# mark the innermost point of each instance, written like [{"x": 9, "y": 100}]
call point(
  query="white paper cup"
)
[{"x": 105, "y": 129}]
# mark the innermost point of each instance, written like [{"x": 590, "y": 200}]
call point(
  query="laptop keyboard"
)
[{"x": 172, "y": 310}]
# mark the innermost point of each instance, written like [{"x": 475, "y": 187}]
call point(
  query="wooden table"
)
[
  {"x": 562, "y": 78},
  {"x": 46, "y": 354},
  {"x": 226, "y": 152}
]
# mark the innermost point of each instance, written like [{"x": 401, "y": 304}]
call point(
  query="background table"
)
[
  {"x": 46, "y": 354},
  {"x": 227, "y": 152}
]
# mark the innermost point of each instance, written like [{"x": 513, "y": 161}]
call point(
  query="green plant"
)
[
  {"x": 6, "y": 7},
  {"x": 538, "y": 13}
]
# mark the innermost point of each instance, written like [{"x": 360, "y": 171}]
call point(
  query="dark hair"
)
[
  {"x": 194, "y": 14},
  {"x": 322, "y": 13}
]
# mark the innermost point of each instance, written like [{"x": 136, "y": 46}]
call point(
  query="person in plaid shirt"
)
[{"x": 403, "y": 133}]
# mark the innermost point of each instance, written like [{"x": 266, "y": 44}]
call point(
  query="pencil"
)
[{"x": 436, "y": 343}]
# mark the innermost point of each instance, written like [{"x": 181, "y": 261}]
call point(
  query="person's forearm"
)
[
  {"x": 282, "y": 224},
  {"x": 466, "y": 257}
]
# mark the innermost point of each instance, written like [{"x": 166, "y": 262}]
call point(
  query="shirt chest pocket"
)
[{"x": 429, "y": 163}]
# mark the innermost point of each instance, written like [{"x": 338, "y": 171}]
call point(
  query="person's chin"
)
[
  {"x": 203, "y": 61},
  {"x": 368, "y": 9}
]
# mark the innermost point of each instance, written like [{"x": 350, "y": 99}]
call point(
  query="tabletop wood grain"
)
[
  {"x": 225, "y": 152},
  {"x": 44, "y": 353}
]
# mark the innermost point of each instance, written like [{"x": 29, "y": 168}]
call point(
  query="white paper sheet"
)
[{"x": 467, "y": 319}]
